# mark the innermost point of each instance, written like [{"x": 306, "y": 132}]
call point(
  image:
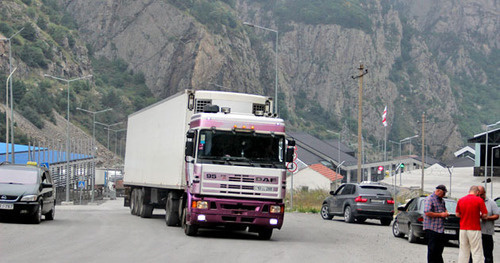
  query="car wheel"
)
[
  {"x": 325, "y": 212},
  {"x": 395, "y": 229},
  {"x": 360, "y": 219},
  {"x": 37, "y": 216},
  {"x": 51, "y": 214},
  {"x": 411, "y": 236},
  {"x": 385, "y": 221},
  {"x": 348, "y": 218}
]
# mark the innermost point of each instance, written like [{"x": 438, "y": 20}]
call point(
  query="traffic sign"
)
[
  {"x": 381, "y": 168},
  {"x": 81, "y": 184}
]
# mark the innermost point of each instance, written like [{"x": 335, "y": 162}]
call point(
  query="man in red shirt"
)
[{"x": 471, "y": 209}]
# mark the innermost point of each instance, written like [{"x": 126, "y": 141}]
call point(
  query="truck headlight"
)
[
  {"x": 29, "y": 198},
  {"x": 202, "y": 205},
  {"x": 275, "y": 209}
]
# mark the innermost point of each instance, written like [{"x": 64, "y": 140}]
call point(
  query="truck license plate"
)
[
  {"x": 450, "y": 232},
  {"x": 6, "y": 206}
]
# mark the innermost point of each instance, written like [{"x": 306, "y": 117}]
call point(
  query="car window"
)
[
  {"x": 341, "y": 188},
  {"x": 498, "y": 202},
  {"x": 413, "y": 205},
  {"x": 373, "y": 190},
  {"x": 14, "y": 176},
  {"x": 451, "y": 206},
  {"x": 347, "y": 189},
  {"x": 421, "y": 205}
]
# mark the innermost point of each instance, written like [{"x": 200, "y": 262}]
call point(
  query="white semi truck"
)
[{"x": 209, "y": 159}]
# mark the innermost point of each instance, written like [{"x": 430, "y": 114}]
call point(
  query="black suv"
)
[
  {"x": 27, "y": 191},
  {"x": 357, "y": 202}
]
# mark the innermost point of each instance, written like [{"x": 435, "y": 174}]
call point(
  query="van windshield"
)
[{"x": 15, "y": 176}]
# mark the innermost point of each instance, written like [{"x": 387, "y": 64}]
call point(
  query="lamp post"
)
[
  {"x": 486, "y": 152},
  {"x": 493, "y": 148},
  {"x": 11, "y": 96},
  {"x": 67, "y": 129},
  {"x": 116, "y": 135},
  {"x": 406, "y": 139},
  {"x": 93, "y": 145},
  {"x": 337, "y": 173},
  {"x": 276, "y": 64},
  {"x": 108, "y": 126},
  {"x": 7, "y": 119}
]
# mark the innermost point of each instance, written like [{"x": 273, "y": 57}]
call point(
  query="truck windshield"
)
[{"x": 241, "y": 147}]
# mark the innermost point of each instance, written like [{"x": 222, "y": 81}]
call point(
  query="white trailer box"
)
[{"x": 156, "y": 135}]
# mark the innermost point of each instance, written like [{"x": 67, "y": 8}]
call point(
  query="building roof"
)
[
  {"x": 312, "y": 150},
  {"x": 465, "y": 149},
  {"x": 38, "y": 154},
  {"x": 326, "y": 172},
  {"x": 461, "y": 162},
  {"x": 493, "y": 137}
]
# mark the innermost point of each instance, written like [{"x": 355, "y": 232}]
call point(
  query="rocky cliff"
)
[{"x": 421, "y": 57}]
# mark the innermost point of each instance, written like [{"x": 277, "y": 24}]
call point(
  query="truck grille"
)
[
  {"x": 258, "y": 107},
  {"x": 241, "y": 185}
]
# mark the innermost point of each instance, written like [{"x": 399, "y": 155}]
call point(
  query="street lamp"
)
[
  {"x": 406, "y": 139},
  {"x": 11, "y": 96},
  {"x": 486, "y": 150},
  {"x": 276, "y": 64},
  {"x": 7, "y": 119},
  {"x": 492, "y": 170},
  {"x": 67, "y": 129},
  {"x": 93, "y": 144},
  {"x": 108, "y": 126},
  {"x": 116, "y": 135}
]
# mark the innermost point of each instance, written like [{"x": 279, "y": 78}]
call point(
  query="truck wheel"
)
[
  {"x": 172, "y": 209},
  {"x": 265, "y": 233},
  {"x": 148, "y": 211},
  {"x": 189, "y": 230},
  {"x": 132, "y": 202},
  {"x": 140, "y": 202}
]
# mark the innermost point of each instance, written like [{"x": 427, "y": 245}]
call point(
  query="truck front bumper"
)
[{"x": 236, "y": 212}]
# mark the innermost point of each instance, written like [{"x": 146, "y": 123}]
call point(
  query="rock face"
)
[{"x": 409, "y": 53}]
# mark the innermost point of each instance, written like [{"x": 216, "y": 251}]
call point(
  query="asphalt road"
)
[{"x": 108, "y": 233}]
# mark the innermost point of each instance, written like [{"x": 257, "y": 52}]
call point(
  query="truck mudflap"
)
[{"x": 209, "y": 212}]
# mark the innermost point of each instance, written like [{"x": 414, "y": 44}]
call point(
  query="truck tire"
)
[
  {"x": 140, "y": 202},
  {"x": 145, "y": 210},
  {"x": 172, "y": 209},
  {"x": 133, "y": 202},
  {"x": 189, "y": 230},
  {"x": 265, "y": 233}
]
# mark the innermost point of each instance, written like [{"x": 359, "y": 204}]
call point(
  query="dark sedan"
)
[{"x": 410, "y": 220}]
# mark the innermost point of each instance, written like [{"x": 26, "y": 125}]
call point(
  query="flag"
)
[{"x": 384, "y": 117}]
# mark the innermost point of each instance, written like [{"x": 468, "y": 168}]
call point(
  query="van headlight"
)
[{"x": 29, "y": 198}]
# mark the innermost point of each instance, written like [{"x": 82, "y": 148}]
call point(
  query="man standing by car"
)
[
  {"x": 434, "y": 215},
  {"x": 488, "y": 225},
  {"x": 471, "y": 209}
]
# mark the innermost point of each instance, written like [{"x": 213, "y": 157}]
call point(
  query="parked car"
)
[
  {"x": 410, "y": 220},
  {"x": 497, "y": 222},
  {"x": 26, "y": 191},
  {"x": 358, "y": 202}
]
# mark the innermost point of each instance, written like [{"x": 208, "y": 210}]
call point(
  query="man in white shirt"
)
[{"x": 488, "y": 225}]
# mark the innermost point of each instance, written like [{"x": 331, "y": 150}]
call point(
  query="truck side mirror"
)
[
  {"x": 290, "y": 151},
  {"x": 189, "y": 149}
]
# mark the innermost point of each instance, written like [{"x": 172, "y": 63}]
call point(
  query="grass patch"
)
[{"x": 306, "y": 201}]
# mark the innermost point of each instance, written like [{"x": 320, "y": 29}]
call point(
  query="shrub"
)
[{"x": 33, "y": 56}]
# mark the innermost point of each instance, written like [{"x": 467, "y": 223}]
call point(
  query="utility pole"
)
[
  {"x": 423, "y": 154},
  {"x": 362, "y": 72}
]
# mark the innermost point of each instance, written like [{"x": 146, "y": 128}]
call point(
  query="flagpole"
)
[{"x": 384, "y": 122}]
